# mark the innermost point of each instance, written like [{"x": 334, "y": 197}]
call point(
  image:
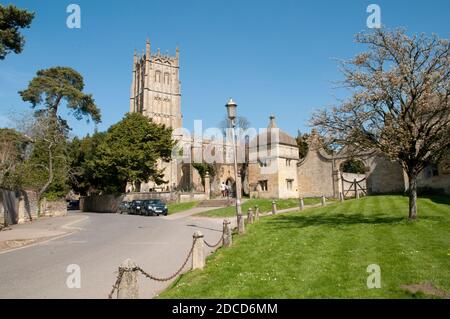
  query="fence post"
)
[
  {"x": 323, "y": 200},
  {"x": 250, "y": 216},
  {"x": 357, "y": 193},
  {"x": 198, "y": 257},
  {"x": 356, "y": 188},
  {"x": 128, "y": 287},
  {"x": 227, "y": 237},
  {"x": 274, "y": 207},
  {"x": 256, "y": 213},
  {"x": 240, "y": 224},
  {"x": 341, "y": 197},
  {"x": 301, "y": 203}
]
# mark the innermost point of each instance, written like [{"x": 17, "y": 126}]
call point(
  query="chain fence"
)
[
  {"x": 216, "y": 245},
  {"x": 122, "y": 270}
]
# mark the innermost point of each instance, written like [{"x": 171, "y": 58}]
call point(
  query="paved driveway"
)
[{"x": 159, "y": 245}]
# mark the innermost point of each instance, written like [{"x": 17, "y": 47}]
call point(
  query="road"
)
[{"x": 159, "y": 245}]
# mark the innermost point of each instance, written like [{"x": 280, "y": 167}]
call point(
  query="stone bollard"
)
[
  {"x": 256, "y": 213},
  {"x": 227, "y": 237},
  {"x": 128, "y": 287},
  {"x": 324, "y": 200},
  {"x": 240, "y": 224},
  {"x": 198, "y": 257},
  {"x": 250, "y": 219},
  {"x": 341, "y": 197},
  {"x": 274, "y": 207},
  {"x": 357, "y": 194},
  {"x": 301, "y": 203}
]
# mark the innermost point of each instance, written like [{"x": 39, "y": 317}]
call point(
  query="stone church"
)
[{"x": 271, "y": 167}]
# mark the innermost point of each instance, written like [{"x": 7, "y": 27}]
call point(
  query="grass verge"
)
[
  {"x": 265, "y": 205},
  {"x": 325, "y": 252},
  {"x": 180, "y": 207}
]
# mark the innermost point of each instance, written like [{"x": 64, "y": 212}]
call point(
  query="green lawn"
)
[
  {"x": 324, "y": 252},
  {"x": 265, "y": 205},
  {"x": 179, "y": 207}
]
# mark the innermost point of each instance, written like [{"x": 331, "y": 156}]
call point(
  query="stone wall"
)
[
  {"x": 56, "y": 208},
  {"x": 439, "y": 182},
  {"x": 101, "y": 203},
  {"x": 28, "y": 206},
  {"x": 315, "y": 176},
  {"x": 384, "y": 176}
]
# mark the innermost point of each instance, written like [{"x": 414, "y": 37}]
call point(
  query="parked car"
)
[
  {"x": 73, "y": 205},
  {"x": 155, "y": 207},
  {"x": 124, "y": 207},
  {"x": 136, "y": 207}
]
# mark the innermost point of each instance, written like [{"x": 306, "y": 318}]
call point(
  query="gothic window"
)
[
  {"x": 158, "y": 76},
  {"x": 166, "y": 78}
]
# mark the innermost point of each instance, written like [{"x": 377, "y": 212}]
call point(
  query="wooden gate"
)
[{"x": 354, "y": 187}]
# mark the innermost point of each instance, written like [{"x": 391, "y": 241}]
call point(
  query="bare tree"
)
[
  {"x": 12, "y": 151},
  {"x": 399, "y": 104}
]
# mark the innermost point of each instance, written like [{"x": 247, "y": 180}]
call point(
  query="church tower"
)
[{"x": 155, "y": 88}]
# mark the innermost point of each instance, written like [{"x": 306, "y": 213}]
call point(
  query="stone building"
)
[{"x": 271, "y": 167}]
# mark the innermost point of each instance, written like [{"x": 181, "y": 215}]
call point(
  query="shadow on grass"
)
[
  {"x": 438, "y": 199},
  {"x": 336, "y": 220}
]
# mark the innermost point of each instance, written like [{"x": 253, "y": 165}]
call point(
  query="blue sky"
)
[{"x": 270, "y": 56}]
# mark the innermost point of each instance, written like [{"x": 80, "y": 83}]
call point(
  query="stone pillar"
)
[
  {"x": 357, "y": 193},
  {"x": 227, "y": 236},
  {"x": 43, "y": 206},
  {"x": 323, "y": 200},
  {"x": 256, "y": 213},
  {"x": 356, "y": 189},
  {"x": 198, "y": 257},
  {"x": 274, "y": 207},
  {"x": 128, "y": 287},
  {"x": 240, "y": 224},
  {"x": 21, "y": 210},
  {"x": 207, "y": 186},
  {"x": 337, "y": 183},
  {"x": 250, "y": 216},
  {"x": 301, "y": 203}
]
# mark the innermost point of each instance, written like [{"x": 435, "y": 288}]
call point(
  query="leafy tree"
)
[
  {"x": 302, "y": 143},
  {"x": 11, "y": 20},
  {"x": 130, "y": 152},
  {"x": 399, "y": 104},
  {"x": 49, "y": 89},
  {"x": 203, "y": 168},
  {"x": 13, "y": 147},
  {"x": 353, "y": 166},
  {"x": 81, "y": 153},
  {"x": 52, "y": 86}
]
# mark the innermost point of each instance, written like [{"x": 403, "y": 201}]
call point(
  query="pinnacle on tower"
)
[{"x": 272, "y": 123}]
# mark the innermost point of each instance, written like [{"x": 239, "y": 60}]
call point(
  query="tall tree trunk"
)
[
  {"x": 50, "y": 172},
  {"x": 412, "y": 196}
]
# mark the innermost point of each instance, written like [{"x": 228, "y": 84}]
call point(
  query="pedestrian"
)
[{"x": 223, "y": 188}]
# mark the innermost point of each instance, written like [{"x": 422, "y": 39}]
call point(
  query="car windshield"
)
[{"x": 155, "y": 202}]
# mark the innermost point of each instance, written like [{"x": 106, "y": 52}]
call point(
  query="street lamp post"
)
[{"x": 231, "y": 111}]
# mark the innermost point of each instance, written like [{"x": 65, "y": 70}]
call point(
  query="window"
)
[
  {"x": 263, "y": 185},
  {"x": 264, "y": 163},
  {"x": 157, "y": 76},
  {"x": 289, "y": 183},
  {"x": 166, "y": 78},
  {"x": 288, "y": 162}
]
